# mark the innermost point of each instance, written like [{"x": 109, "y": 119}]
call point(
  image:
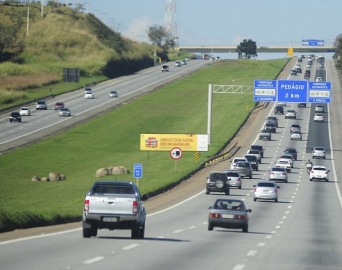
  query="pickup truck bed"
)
[
  {"x": 265, "y": 134},
  {"x": 114, "y": 205}
]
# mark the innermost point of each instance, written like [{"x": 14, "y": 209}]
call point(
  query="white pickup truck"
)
[
  {"x": 114, "y": 205},
  {"x": 265, "y": 134}
]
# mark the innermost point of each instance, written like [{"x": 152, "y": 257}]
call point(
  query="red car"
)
[{"x": 59, "y": 105}]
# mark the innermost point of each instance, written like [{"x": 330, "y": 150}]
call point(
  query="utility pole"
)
[{"x": 42, "y": 15}]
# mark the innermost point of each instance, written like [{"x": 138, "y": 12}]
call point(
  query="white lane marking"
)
[
  {"x": 239, "y": 267},
  {"x": 273, "y": 232},
  {"x": 192, "y": 227},
  {"x": 93, "y": 260},
  {"x": 268, "y": 236},
  {"x": 160, "y": 237},
  {"x": 178, "y": 231},
  {"x": 289, "y": 206},
  {"x": 281, "y": 222},
  {"x": 278, "y": 227},
  {"x": 261, "y": 244},
  {"x": 284, "y": 217},
  {"x": 130, "y": 247},
  {"x": 37, "y": 236},
  {"x": 287, "y": 212},
  {"x": 251, "y": 253}
]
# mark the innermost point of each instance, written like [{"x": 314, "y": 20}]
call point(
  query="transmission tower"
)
[{"x": 170, "y": 23}]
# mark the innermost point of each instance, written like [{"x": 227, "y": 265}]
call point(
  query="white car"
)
[
  {"x": 319, "y": 108},
  {"x": 25, "y": 111},
  {"x": 291, "y": 114},
  {"x": 284, "y": 163},
  {"x": 283, "y": 104},
  {"x": 318, "y": 117},
  {"x": 318, "y": 152},
  {"x": 113, "y": 94},
  {"x": 235, "y": 160},
  {"x": 296, "y": 135},
  {"x": 89, "y": 94},
  {"x": 319, "y": 79},
  {"x": 178, "y": 64},
  {"x": 319, "y": 172},
  {"x": 64, "y": 112}
]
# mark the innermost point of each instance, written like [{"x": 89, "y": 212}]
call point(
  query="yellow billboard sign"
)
[
  {"x": 290, "y": 51},
  {"x": 166, "y": 142}
]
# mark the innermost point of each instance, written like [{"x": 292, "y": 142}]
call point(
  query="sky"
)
[{"x": 224, "y": 22}]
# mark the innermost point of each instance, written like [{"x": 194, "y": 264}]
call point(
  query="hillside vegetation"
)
[{"x": 63, "y": 38}]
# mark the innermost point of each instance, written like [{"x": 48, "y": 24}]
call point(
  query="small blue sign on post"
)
[
  {"x": 292, "y": 91},
  {"x": 320, "y": 92},
  {"x": 265, "y": 90},
  {"x": 137, "y": 170}
]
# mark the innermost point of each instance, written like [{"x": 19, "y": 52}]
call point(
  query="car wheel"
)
[
  {"x": 227, "y": 191},
  {"x": 310, "y": 179},
  {"x": 259, "y": 161},
  {"x": 255, "y": 199},
  {"x": 240, "y": 187},
  {"x": 327, "y": 180},
  {"x": 324, "y": 157},
  {"x": 210, "y": 227},
  {"x": 276, "y": 200},
  {"x": 250, "y": 177},
  {"x": 285, "y": 181},
  {"x": 86, "y": 233},
  {"x": 245, "y": 228},
  {"x": 207, "y": 192},
  {"x": 257, "y": 169},
  {"x": 219, "y": 183}
]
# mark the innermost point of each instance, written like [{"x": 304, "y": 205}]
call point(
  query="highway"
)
[
  {"x": 302, "y": 231},
  {"x": 43, "y": 123}
]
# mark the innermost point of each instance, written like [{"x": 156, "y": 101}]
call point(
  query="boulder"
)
[
  {"x": 44, "y": 179},
  {"x": 101, "y": 172},
  {"x": 53, "y": 176},
  {"x": 35, "y": 178},
  {"x": 116, "y": 170},
  {"x": 110, "y": 169},
  {"x": 63, "y": 177},
  {"x": 123, "y": 169}
]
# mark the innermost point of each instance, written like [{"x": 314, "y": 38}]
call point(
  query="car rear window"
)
[
  {"x": 320, "y": 169},
  {"x": 319, "y": 149},
  {"x": 232, "y": 174},
  {"x": 278, "y": 169},
  {"x": 265, "y": 185},
  {"x": 105, "y": 189}
]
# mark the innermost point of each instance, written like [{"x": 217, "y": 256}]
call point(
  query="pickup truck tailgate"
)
[{"x": 118, "y": 205}]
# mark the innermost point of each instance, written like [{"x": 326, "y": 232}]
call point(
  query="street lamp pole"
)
[
  {"x": 42, "y": 14},
  {"x": 104, "y": 17}
]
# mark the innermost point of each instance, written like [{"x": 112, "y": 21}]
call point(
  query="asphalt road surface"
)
[{"x": 302, "y": 231}]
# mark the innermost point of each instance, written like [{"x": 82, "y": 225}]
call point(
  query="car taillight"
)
[
  {"x": 275, "y": 191},
  {"x": 283, "y": 173},
  {"x": 214, "y": 215},
  {"x": 135, "y": 207},
  {"x": 312, "y": 171},
  {"x": 271, "y": 172},
  {"x": 326, "y": 172},
  {"x": 239, "y": 179},
  {"x": 240, "y": 217},
  {"x": 86, "y": 206}
]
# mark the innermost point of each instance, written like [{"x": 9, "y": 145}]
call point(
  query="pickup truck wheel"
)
[
  {"x": 93, "y": 231},
  {"x": 142, "y": 231},
  {"x": 227, "y": 191},
  {"x": 245, "y": 228},
  {"x": 210, "y": 227},
  {"x": 135, "y": 233},
  {"x": 86, "y": 233}
]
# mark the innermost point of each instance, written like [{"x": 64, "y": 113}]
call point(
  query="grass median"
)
[{"x": 113, "y": 140}]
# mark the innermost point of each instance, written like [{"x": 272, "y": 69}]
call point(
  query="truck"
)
[
  {"x": 114, "y": 205},
  {"x": 265, "y": 134}
]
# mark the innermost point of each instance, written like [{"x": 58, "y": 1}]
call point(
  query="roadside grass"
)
[{"x": 112, "y": 139}]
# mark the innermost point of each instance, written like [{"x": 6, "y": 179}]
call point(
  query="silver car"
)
[
  {"x": 234, "y": 178},
  {"x": 319, "y": 108},
  {"x": 291, "y": 114},
  {"x": 296, "y": 135},
  {"x": 318, "y": 152},
  {"x": 266, "y": 190},
  {"x": 244, "y": 168},
  {"x": 113, "y": 94},
  {"x": 229, "y": 214},
  {"x": 41, "y": 105},
  {"x": 319, "y": 117},
  {"x": 64, "y": 112},
  {"x": 278, "y": 174}
]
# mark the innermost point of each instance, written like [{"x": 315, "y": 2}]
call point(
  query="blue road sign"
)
[
  {"x": 292, "y": 91},
  {"x": 320, "y": 92},
  {"x": 265, "y": 90},
  {"x": 312, "y": 42},
  {"x": 137, "y": 170}
]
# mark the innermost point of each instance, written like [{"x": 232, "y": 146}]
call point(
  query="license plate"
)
[
  {"x": 227, "y": 216},
  {"x": 110, "y": 219}
]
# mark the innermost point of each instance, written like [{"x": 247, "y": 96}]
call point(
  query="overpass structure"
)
[{"x": 263, "y": 49}]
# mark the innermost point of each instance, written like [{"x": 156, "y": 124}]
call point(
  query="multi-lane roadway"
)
[{"x": 302, "y": 231}]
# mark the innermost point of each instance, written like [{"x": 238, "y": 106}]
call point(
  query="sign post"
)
[
  {"x": 176, "y": 153},
  {"x": 137, "y": 172}
]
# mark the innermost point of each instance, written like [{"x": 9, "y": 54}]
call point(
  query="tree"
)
[
  {"x": 248, "y": 48},
  {"x": 158, "y": 35},
  {"x": 338, "y": 54}
]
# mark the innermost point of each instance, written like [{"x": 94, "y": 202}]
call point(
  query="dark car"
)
[
  {"x": 279, "y": 109},
  {"x": 299, "y": 70},
  {"x": 258, "y": 147},
  {"x": 300, "y": 60},
  {"x": 293, "y": 72},
  {"x": 218, "y": 182},
  {"x": 15, "y": 116},
  {"x": 229, "y": 214},
  {"x": 302, "y": 105},
  {"x": 291, "y": 151},
  {"x": 253, "y": 160},
  {"x": 271, "y": 127},
  {"x": 274, "y": 119}
]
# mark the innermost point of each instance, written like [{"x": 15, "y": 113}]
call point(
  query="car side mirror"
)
[
  {"x": 210, "y": 207},
  {"x": 254, "y": 185},
  {"x": 249, "y": 210},
  {"x": 278, "y": 186}
]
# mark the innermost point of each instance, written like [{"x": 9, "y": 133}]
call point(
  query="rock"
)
[
  {"x": 53, "y": 176},
  {"x": 101, "y": 172},
  {"x": 35, "y": 178},
  {"x": 123, "y": 169},
  {"x": 116, "y": 170},
  {"x": 44, "y": 179},
  {"x": 110, "y": 169},
  {"x": 63, "y": 177}
]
